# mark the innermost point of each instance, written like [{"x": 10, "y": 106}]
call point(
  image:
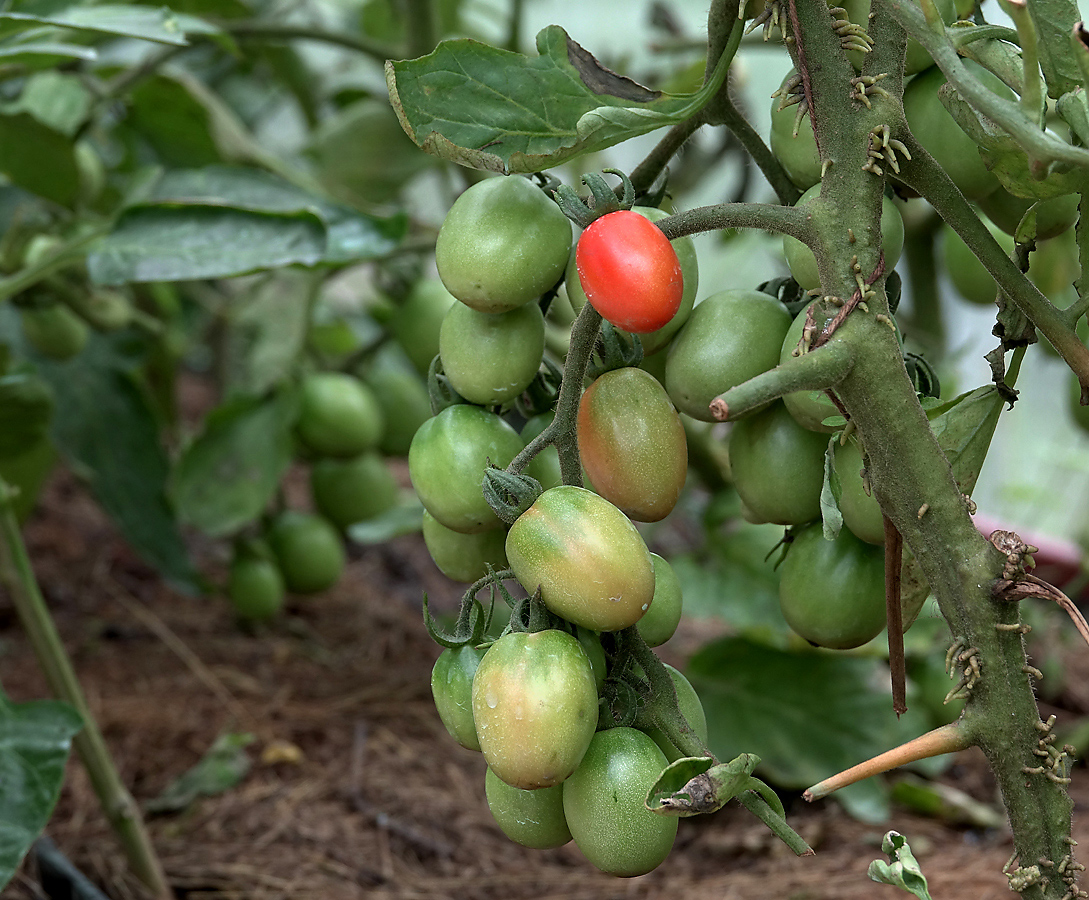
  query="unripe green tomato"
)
[
  {"x": 832, "y": 593},
  {"x": 54, "y": 331},
  {"x": 632, "y": 443},
  {"x": 255, "y": 588},
  {"x": 92, "y": 173},
  {"x": 1053, "y": 266},
  {"x": 861, "y": 511},
  {"x": 417, "y": 321},
  {"x": 809, "y": 408},
  {"x": 491, "y": 358},
  {"x": 308, "y": 550},
  {"x": 661, "y": 620},
  {"x": 533, "y": 819},
  {"x": 970, "y": 278},
  {"x": 339, "y": 415},
  {"x": 402, "y": 394},
  {"x": 778, "y": 466},
  {"x": 503, "y": 244},
  {"x": 730, "y": 337},
  {"x": 1053, "y": 216},
  {"x": 591, "y": 643},
  {"x": 535, "y": 707},
  {"x": 940, "y": 134},
  {"x": 686, "y": 254},
  {"x": 106, "y": 309},
  {"x": 447, "y": 459},
  {"x": 688, "y": 702},
  {"x": 346, "y": 491},
  {"x": 916, "y": 58},
  {"x": 545, "y": 466},
  {"x": 452, "y": 690},
  {"x": 797, "y": 153},
  {"x": 604, "y": 803},
  {"x": 464, "y": 557},
  {"x": 590, "y": 562},
  {"x": 802, "y": 262}
]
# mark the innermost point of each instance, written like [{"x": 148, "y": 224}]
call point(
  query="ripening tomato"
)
[
  {"x": 632, "y": 443},
  {"x": 629, "y": 271}
]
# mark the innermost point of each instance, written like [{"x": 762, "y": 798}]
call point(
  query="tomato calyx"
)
[
  {"x": 602, "y": 200},
  {"x": 510, "y": 494},
  {"x": 614, "y": 349},
  {"x": 440, "y": 391}
]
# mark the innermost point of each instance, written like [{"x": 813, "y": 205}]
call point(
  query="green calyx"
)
[
  {"x": 508, "y": 494},
  {"x": 603, "y": 199}
]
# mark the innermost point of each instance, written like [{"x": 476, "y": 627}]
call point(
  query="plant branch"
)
[
  {"x": 724, "y": 110},
  {"x": 281, "y": 31},
  {"x": 782, "y": 219}
]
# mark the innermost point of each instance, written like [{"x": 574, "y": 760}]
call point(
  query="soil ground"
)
[{"x": 356, "y": 791}]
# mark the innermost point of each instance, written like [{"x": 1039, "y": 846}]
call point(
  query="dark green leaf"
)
[
  {"x": 170, "y": 113},
  {"x": 159, "y": 25},
  {"x": 58, "y": 101},
  {"x": 807, "y": 715},
  {"x": 830, "y": 494},
  {"x": 902, "y": 870},
  {"x": 1054, "y": 22},
  {"x": 26, "y": 403},
  {"x": 229, "y": 473},
  {"x": 38, "y": 158},
  {"x": 220, "y": 769},
  {"x": 35, "y": 739},
  {"x": 945, "y": 802},
  {"x": 504, "y": 112}
]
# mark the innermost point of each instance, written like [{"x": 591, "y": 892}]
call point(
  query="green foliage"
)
[
  {"x": 902, "y": 870},
  {"x": 221, "y": 768}
]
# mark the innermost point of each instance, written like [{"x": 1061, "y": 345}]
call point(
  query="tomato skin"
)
[
  {"x": 418, "y": 320},
  {"x": 308, "y": 550},
  {"x": 535, "y": 707},
  {"x": 661, "y": 620},
  {"x": 503, "y": 243},
  {"x": 1053, "y": 216},
  {"x": 832, "y": 593},
  {"x": 54, "y": 331},
  {"x": 798, "y": 155},
  {"x": 491, "y": 358},
  {"x": 688, "y": 702},
  {"x": 339, "y": 415},
  {"x": 352, "y": 490},
  {"x": 970, "y": 277},
  {"x": 730, "y": 337},
  {"x": 861, "y": 511},
  {"x": 604, "y": 804},
  {"x": 629, "y": 271},
  {"x": 632, "y": 443},
  {"x": 591, "y": 564},
  {"x": 255, "y": 588},
  {"x": 778, "y": 466},
  {"x": 464, "y": 557},
  {"x": 533, "y": 819},
  {"x": 446, "y": 463},
  {"x": 809, "y": 408},
  {"x": 452, "y": 689}
]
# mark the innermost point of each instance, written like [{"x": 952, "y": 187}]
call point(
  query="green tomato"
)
[
  {"x": 970, "y": 278},
  {"x": 545, "y": 466},
  {"x": 535, "y": 707},
  {"x": 1053, "y": 217},
  {"x": 1054, "y": 266},
  {"x": 797, "y": 153},
  {"x": 632, "y": 443},
  {"x": 490, "y": 358},
  {"x": 255, "y": 587},
  {"x": 940, "y": 134},
  {"x": 346, "y": 491},
  {"x": 417, "y": 321},
  {"x": 604, "y": 803},
  {"x": 803, "y": 263},
  {"x": 308, "y": 550},
  {"x": 54, "y": 331},
  {"x": 591, "y": 643},
  {"x": 464, "y": 557},
  {"x": 105, "y": 309},
  {"x": 339, "y": 415},
  {"x": 832, "y": 593},
  {"x": 861, "y": 511},
  {"x": 446, "y": 463},
  {"x": 26, "y": 471},
  {"x": 916, "y": 58},
  {"x": 531, "y": 818},
  {"x": 689, "y": 705},
  {"x": 730, "y": 337},
  {"x": 661, "y": 620},
  {"x": 778, "y": 466},
  {"x": 809, "y": 408},
  {"x": 452, "y": 689},
  {"x": 503, "y": 244},
  {"x": 402, "y": 394},
  {"x": 591, "y": 564}
]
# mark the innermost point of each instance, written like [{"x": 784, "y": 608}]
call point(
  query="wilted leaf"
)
[
  {"x": 902, "y": 870},
  {"x": 220, "y": 769},
  {"x": 831, "y": 517}
]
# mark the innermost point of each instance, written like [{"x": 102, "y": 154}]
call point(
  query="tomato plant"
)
[
  {"x": 351, "y": 490},
  {"x": 810, "y": 409},
  {"x": 535, "y": 707},
  {"x": 452, "y": 690},
  {"x": 255, "y": 587},
  {"x": 308, "y": 551},
  {"x": 339, "y": 415},
  {"x": 530, "y": 818},
  {"x": 689, "y": 705},
  {"x": 629, "y": 271}
]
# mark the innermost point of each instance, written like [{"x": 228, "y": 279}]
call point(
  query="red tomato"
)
[{"x": 629, "y": 271}]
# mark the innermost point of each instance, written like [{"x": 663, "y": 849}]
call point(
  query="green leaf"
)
[
  {"x": 35, "y": 739},
  {"x": 695, "y": 786},
  {"x": 404, "y": 519},
  {"x": 902, "y": 870},
  {"x": 806, "y": 714},
  {"x": 496, "y": 110},
  {"x": 220, "y": 769},
  {"x": 26, "y": 404},
  {"x": 964, "y": 427},
  {"x": 1054, "y": 22},
  {"x": 160, "y": 25},
  {"x": 830, "y": 493},
  {"x": 35, "y": 53},
  {"x": 38, "y": 158},
  {"x": 56, "y": 100},
  {"x": 1073, "y": 110},
  {"x": 229, "y": 473}
]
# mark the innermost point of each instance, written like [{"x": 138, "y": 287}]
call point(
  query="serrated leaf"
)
[
  {"x": 38, "y": 158},
  {"x": 496, "y": 110},
  {"x": 163, "y": 26},
  {"x": 229, "y": 473},
  {"x": 220, "y": 769},
  {"x": 902, "y": 870},
  {"x": 26, "y": 403},
  {"x": 773, "y": 703},
  {"x": 831, "y": 491},
  {"x": 35, "y": 739}
]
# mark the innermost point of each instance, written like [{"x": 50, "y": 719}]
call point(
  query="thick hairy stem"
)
[
  {"x": 646, "y": 173},
  {"x": 118, "y": 805},
  {"x": 782, "y": 219}
]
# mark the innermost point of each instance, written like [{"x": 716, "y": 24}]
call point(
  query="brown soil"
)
[{"x": 356, "y": 790}]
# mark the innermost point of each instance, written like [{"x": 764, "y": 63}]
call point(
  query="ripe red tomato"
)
[{"x": 629, "y": 271}]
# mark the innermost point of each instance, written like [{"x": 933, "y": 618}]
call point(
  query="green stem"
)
[
  {"x": 118, "y": 805},
  {"x": 759, "y": 807},
  {"x": 1032, "y": 83},
  {"x": 782, "y": 219},
  {"x": 661, "y": 711},
  {"x": 280, "y": 31},
  {"x": 726, "y": 112},
  {"x": 69, "y": 253}
]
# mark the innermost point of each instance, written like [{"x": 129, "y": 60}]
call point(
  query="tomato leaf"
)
[
  {"x": 35, "y": 739},
  {"x": 57, "y": 100},
  {"x": 1054, "y": 23},
  {"x": 902, "y": 870},
  {"x": 830, "y": 493},
  {"x": 222, "y": 767},
  {"x": 163, "y": 26},
  {"x": 38, "y": 158},
  {"x": 496, "y": 110},
  {"x": 26, "y": 404}
]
